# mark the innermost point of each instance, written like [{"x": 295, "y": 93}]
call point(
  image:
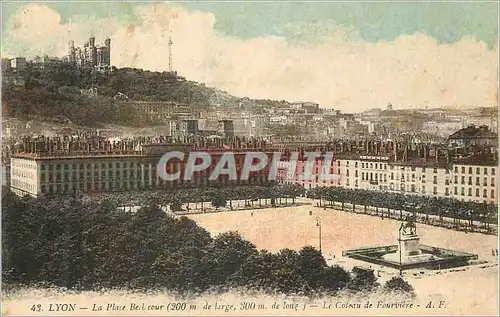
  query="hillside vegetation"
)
[{"x": 58, "y": 89}]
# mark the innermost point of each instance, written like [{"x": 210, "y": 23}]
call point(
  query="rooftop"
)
[{"x": 473, "y": 132}]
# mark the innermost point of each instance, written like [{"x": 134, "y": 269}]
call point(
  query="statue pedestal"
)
[{"x": 409, "y": 245}]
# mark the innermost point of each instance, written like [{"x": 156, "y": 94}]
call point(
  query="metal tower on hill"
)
[{"x": 170, "y": 51}]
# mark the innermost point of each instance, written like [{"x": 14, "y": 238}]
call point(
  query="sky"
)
[{"x": 343, "y": 55}]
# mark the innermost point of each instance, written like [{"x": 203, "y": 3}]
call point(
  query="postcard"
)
[{"x": 249, "y": 158}]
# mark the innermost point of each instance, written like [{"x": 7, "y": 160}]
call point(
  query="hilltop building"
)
[{"x": 90, "y": 55}]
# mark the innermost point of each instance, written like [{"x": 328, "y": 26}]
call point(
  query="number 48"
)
[{"x": 36, "y": 307}]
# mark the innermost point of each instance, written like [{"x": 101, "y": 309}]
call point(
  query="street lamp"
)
[
  {"x": 400, "y": 254},
  {"x": 318, "y": 224}
]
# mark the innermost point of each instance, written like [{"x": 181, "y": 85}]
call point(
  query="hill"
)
[{"x": 54, "y": 89}]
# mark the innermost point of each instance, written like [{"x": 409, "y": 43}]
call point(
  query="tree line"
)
[
  {"x": 437, "y": 206},
  {"x": 253, "y": 195},
  {"x": 95, "y": 245}
]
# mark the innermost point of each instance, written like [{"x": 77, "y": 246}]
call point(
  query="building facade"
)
[
  {"x": 37, "y": 175},
  {"x": 478, "y": 182},
  {"x": 90, "y": 55}
]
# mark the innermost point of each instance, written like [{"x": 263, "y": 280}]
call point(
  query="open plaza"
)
[{"x": 295, "y": 227}]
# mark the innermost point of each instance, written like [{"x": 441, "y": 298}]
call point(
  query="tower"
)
[
  {"x": 107, "y": 43},
  {"x": 71, "y": 52},
  {"x": 170, "y": 52}
]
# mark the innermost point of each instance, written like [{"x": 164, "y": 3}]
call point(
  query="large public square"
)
[{"x": 467, "y": 290}]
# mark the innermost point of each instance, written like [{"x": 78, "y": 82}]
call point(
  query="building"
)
[
  {"x": 189, "y": 127},
  {"x": 287, "y": 175},
  {"x": 473, "y": 135},
  {"x": 18, "y": 63},
  {"x": 40, "y": 174},
  {"x": 226, "y": 128},
  {"x": 464, "y": 181},
  {"x": 90, "y": 55}
]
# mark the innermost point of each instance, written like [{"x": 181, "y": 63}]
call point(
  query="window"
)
[
  {"x": 485, "y": 193},
  {"x": 456, "y": 179},
  {"x": 347, "y": 163},
  {"x": 356, "y": 183},
  {"x": 423, "y": 189},
  {"x": 362, "y": 165},
  {"x": 456, "y": 169},
  {"x": 485, "y": 171},
  {"x": 413, "y": 188},
  {"x": 435, "y": 190},
  {"x": 356, "y": 173},
  {"x": 455, "y": 191},
  {"x": 493, "y": 171},
  {"x": 485, "y": 183},
  {"x": 477, "y": 181},
  {"x": 470, "y": 180},
  {"x": 477, "y": 192},
  {"x": 355, "y": 164},
  {"x": 492, "y": 193},
  {"x": 363, "y": 176},
  {"x": 492, "y": 181},
  {"x": 392, "y": 176},
  {"x": 65, "y": 166},
  {"x": 43, "y": 189},
  {"x": 462, "y": 191},
  {"x": 435, "y": 170},
  {"x": 43, "y": 167},
  {"x": 446, "y": 191},
  {"x": 58, "y": 166},
  {"x": 347, "y": 174},
  {"x": 470, "y": 191},
  {"x": 470, "y": 170},
  {"x": 463, "y": 169},
  {"x": 371, "y": 165},
  {"x": 376, "y": 165},
  {"x": 463, "y": 180},
  {"x": 435, "y": 180},
  {"x": 478, "y": 170}
]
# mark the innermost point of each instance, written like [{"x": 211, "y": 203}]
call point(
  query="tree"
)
[
  {"x": 398, "y": 285},
  {"x": 333, "y": 279},
  {"x": 310, "y": 265},
  {"x": 219, "y": 199},
  {"x": 364, "y": 280},
  {"x": 226, "y": 254}
]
